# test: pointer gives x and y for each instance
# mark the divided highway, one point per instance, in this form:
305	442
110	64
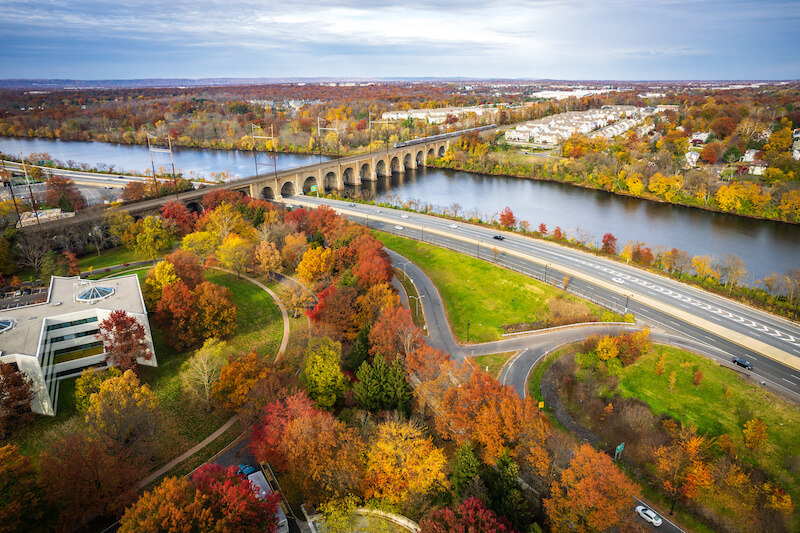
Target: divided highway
771	343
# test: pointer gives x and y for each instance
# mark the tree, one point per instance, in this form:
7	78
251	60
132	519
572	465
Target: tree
118	222
235	253
394	334
505	491
709	154
32	250
217	312
237	378
133	191
86	479
372	303
702	264
338	514
201	371
177	214
470	516
187	267
315	265
402	464
16	396
682	467
607	348
295	245
732	269
507	218
466	467
219	196
89	383
373	268
267	434
20	493
382	386
322	371
755	433
609	244
268	259
592	494
178	315
124	340
125	412
224	220
151	237
300	299
62	192
201	243
333	315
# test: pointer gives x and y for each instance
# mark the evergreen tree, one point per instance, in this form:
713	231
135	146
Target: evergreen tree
360	350
382	386
466	467
505	491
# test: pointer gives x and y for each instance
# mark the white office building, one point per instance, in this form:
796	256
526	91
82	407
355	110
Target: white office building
58	338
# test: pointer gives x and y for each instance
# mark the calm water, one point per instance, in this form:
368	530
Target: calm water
764	246
191	161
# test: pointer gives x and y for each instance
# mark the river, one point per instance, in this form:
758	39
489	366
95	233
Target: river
764	246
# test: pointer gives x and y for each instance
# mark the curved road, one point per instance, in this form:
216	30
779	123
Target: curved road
709	321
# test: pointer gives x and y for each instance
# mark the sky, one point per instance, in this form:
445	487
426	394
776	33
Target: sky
568	39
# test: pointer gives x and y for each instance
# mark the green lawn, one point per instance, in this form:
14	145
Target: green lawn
413	301
111	257
486	295
492	363
714	412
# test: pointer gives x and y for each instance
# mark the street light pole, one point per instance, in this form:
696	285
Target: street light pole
627	296
467	330
545	272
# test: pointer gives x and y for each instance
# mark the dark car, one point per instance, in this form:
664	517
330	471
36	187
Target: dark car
499	237
26	291
743	363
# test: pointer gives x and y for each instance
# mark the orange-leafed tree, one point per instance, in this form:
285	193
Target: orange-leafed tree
373	268
403	465
683	467
188	267
295	245
177	213
755	433
377	298
178	315
217	312
333	316
124	340
20	490
394	334
507	218
133	191
266	435
591	495
237	378
62	192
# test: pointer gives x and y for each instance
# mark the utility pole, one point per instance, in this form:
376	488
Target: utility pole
152	164
7	179
267	138
385	137
30	191
320	129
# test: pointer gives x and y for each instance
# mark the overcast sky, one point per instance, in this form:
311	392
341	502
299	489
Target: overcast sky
568	39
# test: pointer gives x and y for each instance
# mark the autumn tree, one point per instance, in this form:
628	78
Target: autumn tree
126	413
201	243
267	435
403	465
237	378
703	266
382	385
755	433
217	312
322	371
268	259
295	245
86	479
133	191
709	154
151	237
224	220
300	299
177	214
372	303
682	466
373	268
333	315
187	266
591	495
20	492
609	244
89	383
507	218
235	253
470	516
118	222
178	315
124	340
394	333
16	396
315	266
62	192
201	371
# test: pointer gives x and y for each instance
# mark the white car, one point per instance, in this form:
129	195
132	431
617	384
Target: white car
453	226
649	515
618	280
403	216
398	227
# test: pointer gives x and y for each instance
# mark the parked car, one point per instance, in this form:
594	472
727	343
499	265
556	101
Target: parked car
258	479
743	363
649	515
499	238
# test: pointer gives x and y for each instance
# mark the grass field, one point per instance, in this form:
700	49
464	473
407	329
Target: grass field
486	295
113	256
413	302
492	363
722	403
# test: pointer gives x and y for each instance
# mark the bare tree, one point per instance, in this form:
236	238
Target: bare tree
732	269
32	247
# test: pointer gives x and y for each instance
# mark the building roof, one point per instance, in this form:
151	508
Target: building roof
23	337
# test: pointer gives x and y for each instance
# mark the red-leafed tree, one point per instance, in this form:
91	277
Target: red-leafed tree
187	266
323	220
178	314
543	228
609	244
394	334
426	362
62	192
266	435
297	218
373	268
124	340
16	395
219	196
133	191
507	218
333	314
177	213
471	516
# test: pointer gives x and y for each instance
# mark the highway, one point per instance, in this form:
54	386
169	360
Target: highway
771	343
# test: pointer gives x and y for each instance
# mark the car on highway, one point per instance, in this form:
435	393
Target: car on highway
351	205
403	216
398	227
743	363
499	238
453	226
648	515
618	280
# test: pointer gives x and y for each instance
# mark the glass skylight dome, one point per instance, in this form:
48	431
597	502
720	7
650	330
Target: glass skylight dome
94	294
6	325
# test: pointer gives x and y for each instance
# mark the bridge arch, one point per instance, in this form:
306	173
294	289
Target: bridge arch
348	177
395	164
288	189
267	193
330	181
195	206
441	151
407	162
431	154
420	158
364	174
380	168
310	182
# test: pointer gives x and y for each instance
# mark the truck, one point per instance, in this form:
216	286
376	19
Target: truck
257	478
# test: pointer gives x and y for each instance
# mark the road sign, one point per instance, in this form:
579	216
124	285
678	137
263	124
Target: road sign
620	448
313	188
541	405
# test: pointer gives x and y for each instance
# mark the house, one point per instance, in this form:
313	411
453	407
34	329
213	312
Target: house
519	134
796	150
691	158
757	168
701	137
749	156
58	338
